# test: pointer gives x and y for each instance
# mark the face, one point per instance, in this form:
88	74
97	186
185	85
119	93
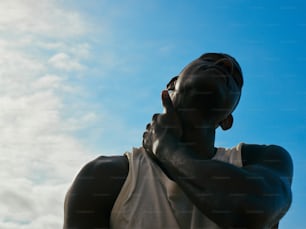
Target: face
208	88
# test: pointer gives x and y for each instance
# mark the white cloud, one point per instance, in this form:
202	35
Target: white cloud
81	121
42	17
27	205
39	155
47	82
62	61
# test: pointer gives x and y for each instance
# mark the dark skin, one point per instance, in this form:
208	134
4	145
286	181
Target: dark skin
181	141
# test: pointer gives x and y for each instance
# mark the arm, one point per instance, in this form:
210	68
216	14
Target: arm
254	196
90	199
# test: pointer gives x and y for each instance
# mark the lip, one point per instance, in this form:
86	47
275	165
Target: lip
215	67
219	68
224	73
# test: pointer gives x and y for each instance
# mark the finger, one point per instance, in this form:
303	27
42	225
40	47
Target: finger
148	126
145	140
144	145
154	118
167	102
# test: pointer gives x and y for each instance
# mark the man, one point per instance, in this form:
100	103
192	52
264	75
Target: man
179	179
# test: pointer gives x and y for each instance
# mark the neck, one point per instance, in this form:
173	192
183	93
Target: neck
201	139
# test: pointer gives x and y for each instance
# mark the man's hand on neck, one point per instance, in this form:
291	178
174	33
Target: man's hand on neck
167	132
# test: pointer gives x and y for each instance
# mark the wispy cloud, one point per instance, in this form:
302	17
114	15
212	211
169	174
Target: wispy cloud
43	18
38	153
62	61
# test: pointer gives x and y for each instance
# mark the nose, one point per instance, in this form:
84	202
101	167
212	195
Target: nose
226	64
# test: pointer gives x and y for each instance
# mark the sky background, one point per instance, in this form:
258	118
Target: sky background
81	79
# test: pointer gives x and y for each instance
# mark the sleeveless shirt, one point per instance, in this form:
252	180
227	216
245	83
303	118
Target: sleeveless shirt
149	199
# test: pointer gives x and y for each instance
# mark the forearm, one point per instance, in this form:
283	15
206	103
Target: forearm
223	192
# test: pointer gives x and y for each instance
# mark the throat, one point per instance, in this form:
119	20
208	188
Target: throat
201	140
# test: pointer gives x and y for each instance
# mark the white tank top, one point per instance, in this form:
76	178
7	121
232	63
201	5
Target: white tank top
150	200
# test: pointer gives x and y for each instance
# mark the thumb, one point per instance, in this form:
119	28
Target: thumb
167	102
170	118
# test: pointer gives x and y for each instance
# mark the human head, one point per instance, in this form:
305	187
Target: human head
207	90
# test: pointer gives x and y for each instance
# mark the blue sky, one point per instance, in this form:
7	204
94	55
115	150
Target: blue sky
83	78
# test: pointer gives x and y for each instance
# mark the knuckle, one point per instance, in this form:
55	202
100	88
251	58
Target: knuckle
155	117
145	134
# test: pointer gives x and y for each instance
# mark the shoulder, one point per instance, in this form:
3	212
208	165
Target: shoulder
273	157
106	167
272	166
94	191
102	173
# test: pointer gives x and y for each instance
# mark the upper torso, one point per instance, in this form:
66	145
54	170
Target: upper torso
108	178
149	199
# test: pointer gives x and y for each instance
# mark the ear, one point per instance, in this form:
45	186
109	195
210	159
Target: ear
227	123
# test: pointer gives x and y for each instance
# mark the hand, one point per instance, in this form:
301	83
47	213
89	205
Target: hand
164	129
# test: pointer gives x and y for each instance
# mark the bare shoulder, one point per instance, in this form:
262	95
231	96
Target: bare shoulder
272	165
270	156
114	167
92	194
